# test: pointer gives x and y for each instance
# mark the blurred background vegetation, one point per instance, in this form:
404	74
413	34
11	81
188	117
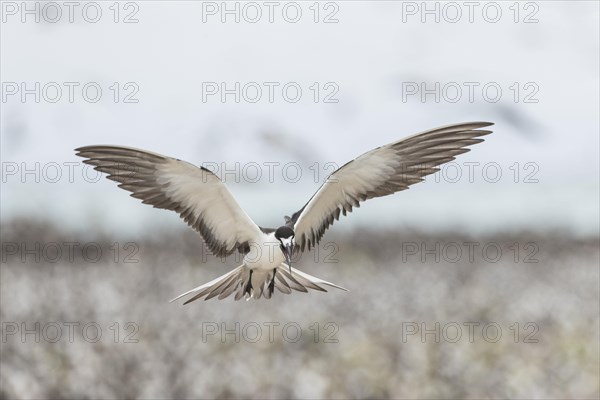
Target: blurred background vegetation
367	351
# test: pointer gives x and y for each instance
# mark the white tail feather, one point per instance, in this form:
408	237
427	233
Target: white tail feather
254	284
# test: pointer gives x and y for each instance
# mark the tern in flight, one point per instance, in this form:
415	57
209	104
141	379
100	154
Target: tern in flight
204	202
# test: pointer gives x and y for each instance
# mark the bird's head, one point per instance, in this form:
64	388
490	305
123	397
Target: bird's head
285	235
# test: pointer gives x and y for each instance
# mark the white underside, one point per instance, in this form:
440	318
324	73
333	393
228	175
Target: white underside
265	255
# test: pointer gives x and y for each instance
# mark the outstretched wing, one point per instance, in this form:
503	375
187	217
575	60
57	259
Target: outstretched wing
197	194
380	172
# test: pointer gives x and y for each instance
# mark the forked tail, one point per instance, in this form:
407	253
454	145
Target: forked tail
253	284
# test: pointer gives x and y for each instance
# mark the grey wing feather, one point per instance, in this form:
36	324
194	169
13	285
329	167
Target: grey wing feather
196	194
381	172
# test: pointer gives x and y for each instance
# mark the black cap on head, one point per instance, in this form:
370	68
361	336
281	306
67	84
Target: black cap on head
284	232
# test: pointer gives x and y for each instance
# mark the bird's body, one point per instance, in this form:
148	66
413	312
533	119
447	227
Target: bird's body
204	202
264	255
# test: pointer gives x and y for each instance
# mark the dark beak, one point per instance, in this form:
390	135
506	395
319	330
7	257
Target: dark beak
287	252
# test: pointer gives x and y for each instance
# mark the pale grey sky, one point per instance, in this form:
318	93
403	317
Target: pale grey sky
371	61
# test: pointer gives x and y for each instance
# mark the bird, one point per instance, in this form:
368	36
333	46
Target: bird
203	201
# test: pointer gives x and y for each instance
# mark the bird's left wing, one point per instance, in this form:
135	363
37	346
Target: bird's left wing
380	172
196	194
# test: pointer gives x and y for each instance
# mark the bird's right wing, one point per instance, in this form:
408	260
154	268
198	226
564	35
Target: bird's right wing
380	172
196	194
